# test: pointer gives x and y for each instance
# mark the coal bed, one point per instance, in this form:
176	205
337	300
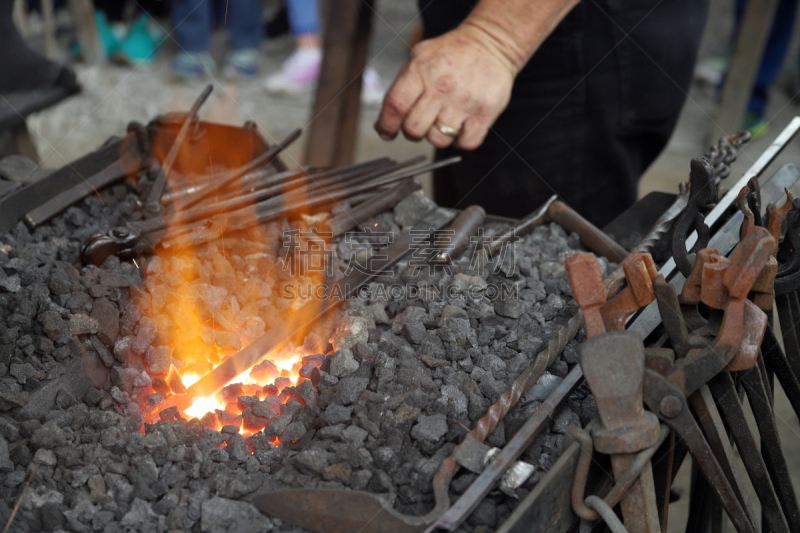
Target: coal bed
373	398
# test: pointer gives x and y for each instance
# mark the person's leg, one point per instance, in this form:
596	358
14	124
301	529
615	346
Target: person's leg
243	20
300	71
244	23
774	54
191	25
304	22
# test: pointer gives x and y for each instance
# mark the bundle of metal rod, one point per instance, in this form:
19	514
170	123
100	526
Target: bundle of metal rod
276	190
296	202
265	182
203	222
221	182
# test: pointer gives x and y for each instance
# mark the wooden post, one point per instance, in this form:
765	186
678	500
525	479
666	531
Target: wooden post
20	17
49	30
82	14
333	130
744	65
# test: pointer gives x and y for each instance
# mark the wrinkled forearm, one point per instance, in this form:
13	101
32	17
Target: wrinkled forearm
514	29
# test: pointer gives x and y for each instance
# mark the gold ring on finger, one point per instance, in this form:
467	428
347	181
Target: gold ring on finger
445	129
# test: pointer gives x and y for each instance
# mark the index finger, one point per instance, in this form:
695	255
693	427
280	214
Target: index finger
399	100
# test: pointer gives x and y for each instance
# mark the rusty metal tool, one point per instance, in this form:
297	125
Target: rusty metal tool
613	365
221	182
710	418
132	161
767	157
152	204
640	271
707	413
760	403
294	203
557	211
262	178
461	230
702	192
724	239
623	483
724	391
277	188
745	361
667	395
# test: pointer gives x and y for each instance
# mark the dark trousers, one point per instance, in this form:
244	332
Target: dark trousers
192	22
588	114
774	53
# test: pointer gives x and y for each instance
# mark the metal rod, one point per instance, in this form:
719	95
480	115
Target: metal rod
284	206
591	237
153	203
226	179
383	201
476	492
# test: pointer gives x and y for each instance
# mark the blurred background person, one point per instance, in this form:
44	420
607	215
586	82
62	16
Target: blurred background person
774	54
137	42
713	70
299	73
192	22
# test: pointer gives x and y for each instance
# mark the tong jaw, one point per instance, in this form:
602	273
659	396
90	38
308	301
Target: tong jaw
702	192
722	284
787	278
613	364
613	360
120	241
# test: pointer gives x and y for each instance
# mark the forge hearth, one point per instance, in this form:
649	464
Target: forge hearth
373	397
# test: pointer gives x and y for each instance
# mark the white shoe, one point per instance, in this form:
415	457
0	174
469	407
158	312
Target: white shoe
298	74
372	88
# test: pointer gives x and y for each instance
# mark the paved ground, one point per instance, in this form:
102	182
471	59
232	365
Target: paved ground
113	96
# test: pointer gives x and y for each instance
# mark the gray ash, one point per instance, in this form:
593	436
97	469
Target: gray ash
87	355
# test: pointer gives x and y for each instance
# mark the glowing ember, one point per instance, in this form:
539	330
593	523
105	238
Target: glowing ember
208	301
202	406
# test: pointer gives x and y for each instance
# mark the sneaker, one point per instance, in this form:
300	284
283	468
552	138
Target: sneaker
711	71
242	64
140	45
298	74
188	66
372	88
757	125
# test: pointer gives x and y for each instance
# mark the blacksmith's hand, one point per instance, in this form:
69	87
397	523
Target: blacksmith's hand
454	87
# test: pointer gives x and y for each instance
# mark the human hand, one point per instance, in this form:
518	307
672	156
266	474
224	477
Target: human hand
461	80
